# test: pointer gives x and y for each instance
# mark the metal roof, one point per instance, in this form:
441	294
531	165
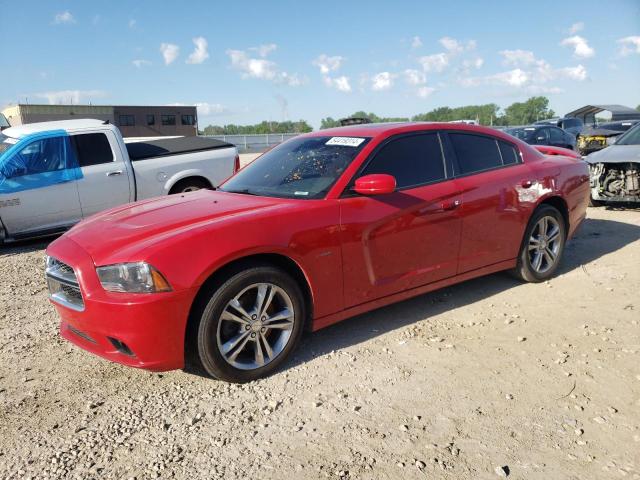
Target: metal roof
618	112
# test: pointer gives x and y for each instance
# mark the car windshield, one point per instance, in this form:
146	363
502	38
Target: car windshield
6	143
299	168
630	137
526	134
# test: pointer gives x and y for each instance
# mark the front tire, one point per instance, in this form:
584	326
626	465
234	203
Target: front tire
250	325
542	245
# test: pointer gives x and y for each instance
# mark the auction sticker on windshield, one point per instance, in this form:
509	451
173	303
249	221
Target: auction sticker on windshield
345	141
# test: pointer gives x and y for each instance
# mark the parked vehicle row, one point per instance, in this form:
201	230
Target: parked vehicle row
54	174
325	226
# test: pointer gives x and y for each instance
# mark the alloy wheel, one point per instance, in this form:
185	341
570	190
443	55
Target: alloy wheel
255	326
544	244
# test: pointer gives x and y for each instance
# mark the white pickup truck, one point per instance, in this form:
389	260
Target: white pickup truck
54	174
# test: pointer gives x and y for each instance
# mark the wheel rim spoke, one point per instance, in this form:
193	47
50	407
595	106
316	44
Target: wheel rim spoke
537	261
544	244
248	336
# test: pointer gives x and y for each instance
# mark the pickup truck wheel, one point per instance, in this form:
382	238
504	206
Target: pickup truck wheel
542	246
189	185
250	325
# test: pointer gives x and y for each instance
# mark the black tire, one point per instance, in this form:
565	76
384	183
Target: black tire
189	185
524	269
205	345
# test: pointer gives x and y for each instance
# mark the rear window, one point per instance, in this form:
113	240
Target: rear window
92	149
475	153
412	160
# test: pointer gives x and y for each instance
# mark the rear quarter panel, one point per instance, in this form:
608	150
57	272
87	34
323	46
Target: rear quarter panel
156	176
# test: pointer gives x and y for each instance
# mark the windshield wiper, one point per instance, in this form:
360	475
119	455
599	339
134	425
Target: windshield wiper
244	191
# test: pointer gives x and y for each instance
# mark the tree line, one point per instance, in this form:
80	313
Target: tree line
518	113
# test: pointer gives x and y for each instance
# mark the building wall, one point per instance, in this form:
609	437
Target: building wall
22	114
121	116
142	117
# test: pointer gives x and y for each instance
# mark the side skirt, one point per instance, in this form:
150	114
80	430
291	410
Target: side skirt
325	321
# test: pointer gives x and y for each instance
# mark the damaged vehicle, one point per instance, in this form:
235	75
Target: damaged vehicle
615	170
601	136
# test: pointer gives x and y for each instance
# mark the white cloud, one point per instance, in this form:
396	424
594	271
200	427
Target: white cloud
382	81
341	84
629	45
132	23
264	50
328	64
139	63
261	68
416	42
200	54
424	92
581	48
473	63
576	27
518	57
434	63
415	77
451	45
575	73
63	18
169	52
63	97
514	78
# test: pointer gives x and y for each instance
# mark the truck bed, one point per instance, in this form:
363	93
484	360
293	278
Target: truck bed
172	146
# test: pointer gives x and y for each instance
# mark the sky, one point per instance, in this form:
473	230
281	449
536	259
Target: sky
243	62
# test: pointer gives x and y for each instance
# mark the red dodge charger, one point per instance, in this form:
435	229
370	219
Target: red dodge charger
323	227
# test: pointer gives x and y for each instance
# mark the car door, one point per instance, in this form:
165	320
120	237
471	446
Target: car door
105	181
492	179
406	238
38	185
557	138
541	136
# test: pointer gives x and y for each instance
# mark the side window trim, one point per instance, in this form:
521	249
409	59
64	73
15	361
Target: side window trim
496	139
446	164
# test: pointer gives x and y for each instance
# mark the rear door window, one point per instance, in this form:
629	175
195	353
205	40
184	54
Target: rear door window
508	152
557	135
92	149
475	153
412	160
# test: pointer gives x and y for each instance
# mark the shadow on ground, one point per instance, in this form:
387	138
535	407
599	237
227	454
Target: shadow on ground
594	239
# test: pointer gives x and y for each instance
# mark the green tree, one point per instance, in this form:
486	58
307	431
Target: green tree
532	110
264	127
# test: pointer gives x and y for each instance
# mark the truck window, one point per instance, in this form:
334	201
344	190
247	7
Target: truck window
40	156
92	149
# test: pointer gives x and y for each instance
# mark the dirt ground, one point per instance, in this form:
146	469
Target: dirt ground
485	379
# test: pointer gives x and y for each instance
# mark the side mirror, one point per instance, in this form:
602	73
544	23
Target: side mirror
375	184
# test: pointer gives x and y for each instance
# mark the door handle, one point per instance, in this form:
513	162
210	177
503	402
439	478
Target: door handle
451	205
114	173
526	183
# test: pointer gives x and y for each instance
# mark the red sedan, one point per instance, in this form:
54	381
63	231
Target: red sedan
323	227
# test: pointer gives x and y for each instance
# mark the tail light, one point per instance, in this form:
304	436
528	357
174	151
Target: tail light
236	163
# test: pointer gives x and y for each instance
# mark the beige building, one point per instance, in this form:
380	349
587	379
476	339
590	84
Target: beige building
133	121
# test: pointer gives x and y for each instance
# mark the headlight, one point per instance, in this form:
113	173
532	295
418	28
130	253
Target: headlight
139	277
611	140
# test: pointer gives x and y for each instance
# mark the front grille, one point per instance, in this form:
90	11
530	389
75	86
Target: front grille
63	284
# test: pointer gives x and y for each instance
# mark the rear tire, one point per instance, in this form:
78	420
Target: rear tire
189	185
542	245
250	325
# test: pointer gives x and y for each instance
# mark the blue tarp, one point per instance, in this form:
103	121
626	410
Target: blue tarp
39	160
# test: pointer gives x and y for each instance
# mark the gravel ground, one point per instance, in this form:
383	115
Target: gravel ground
485	379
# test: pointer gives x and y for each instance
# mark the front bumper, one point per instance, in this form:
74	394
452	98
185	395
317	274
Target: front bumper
139	330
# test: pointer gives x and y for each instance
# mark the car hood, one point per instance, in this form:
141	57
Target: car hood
600	132
141	224
616	154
